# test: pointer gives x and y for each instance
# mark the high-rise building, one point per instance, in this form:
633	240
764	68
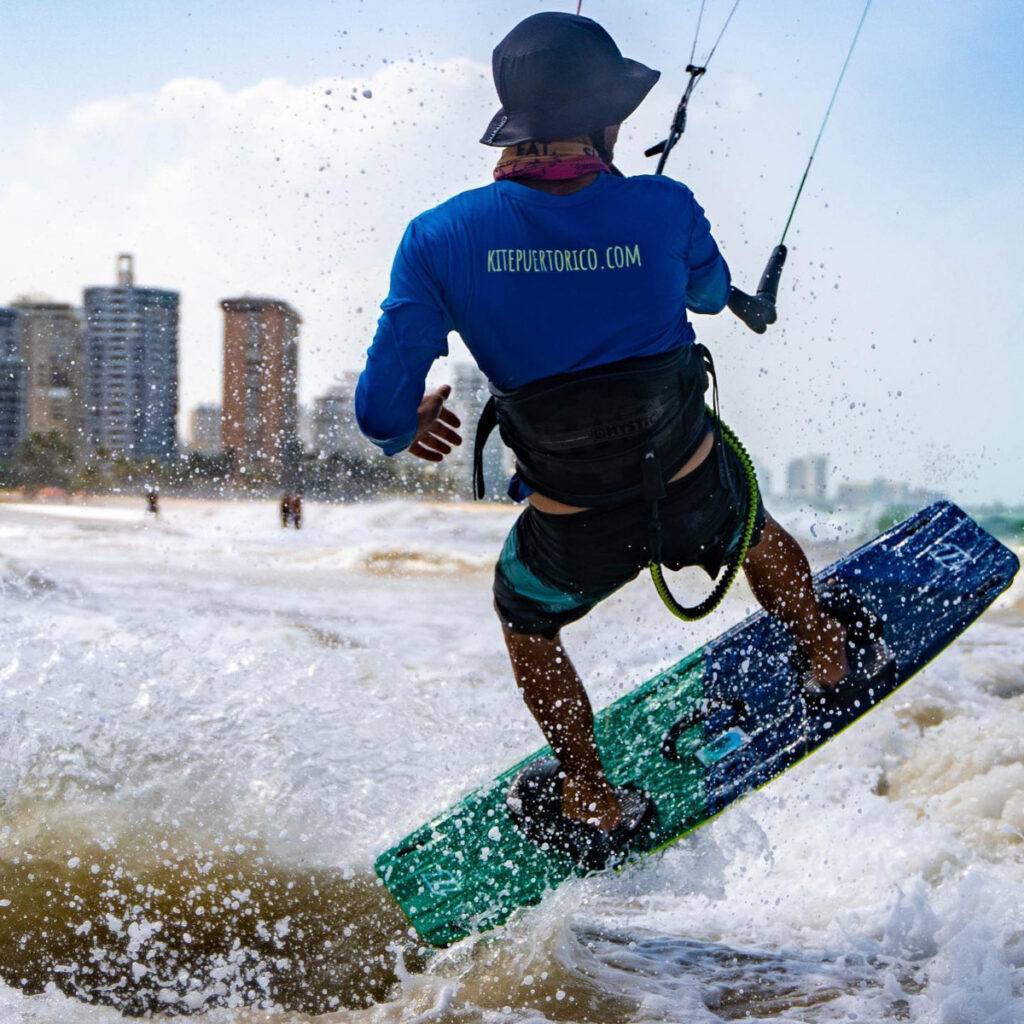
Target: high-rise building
808	477
131	367
334	419
204	428
51	340
13	384
261	352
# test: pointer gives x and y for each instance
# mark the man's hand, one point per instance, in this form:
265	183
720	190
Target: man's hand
756	311
435	434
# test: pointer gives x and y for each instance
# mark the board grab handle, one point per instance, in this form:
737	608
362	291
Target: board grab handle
698	716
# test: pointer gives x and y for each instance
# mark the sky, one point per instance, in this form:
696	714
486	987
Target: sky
258	148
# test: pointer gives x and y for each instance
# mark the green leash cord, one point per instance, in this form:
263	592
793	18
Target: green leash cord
714	599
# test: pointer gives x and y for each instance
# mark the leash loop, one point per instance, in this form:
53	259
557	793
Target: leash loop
714	599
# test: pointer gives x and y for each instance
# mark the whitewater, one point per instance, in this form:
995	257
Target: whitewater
210	727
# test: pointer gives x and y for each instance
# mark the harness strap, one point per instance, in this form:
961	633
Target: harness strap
653	491
484	426
716	415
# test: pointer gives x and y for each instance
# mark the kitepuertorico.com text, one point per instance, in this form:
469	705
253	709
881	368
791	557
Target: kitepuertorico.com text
515	261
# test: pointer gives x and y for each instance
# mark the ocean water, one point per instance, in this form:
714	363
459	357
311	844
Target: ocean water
210	726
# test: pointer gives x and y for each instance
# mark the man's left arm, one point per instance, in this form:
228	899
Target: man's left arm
707	288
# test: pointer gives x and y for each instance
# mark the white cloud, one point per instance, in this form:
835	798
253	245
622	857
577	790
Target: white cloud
295	190
107	113
50	151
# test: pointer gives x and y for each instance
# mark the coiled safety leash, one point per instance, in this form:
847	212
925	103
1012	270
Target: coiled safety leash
714	599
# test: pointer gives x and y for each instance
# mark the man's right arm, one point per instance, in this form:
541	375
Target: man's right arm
411	333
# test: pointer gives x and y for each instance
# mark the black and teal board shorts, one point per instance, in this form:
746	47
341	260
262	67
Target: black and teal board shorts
554	568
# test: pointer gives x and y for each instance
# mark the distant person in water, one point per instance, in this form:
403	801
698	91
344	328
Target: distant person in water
570	285
291	509
153	501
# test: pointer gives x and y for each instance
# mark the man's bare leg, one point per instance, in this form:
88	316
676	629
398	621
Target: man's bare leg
554	693
780	577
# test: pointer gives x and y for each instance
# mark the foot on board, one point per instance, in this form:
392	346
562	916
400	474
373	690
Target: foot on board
534	803
869	658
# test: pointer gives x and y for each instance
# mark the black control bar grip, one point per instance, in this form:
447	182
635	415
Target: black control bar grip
768	286
758	311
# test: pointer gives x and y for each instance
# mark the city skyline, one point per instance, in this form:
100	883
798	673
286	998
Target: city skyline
331	426
291	165
105	374
264	414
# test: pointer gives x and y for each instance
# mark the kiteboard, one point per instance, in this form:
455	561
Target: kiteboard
722	722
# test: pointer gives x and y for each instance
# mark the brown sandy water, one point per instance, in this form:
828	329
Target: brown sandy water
172	924
293	731
163	923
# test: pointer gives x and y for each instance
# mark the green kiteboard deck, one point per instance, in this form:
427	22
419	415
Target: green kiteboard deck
722	722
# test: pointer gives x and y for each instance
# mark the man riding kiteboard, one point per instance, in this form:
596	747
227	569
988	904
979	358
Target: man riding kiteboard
570	286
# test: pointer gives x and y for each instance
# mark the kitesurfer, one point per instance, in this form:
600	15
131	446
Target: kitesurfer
570	286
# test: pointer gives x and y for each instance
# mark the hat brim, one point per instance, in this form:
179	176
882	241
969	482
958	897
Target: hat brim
591	114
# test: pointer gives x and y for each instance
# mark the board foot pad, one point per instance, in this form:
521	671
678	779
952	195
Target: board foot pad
534	803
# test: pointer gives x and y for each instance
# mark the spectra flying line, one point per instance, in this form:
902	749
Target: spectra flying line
824	121
757	311
694	71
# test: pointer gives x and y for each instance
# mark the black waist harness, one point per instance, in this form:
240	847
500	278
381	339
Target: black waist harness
609	434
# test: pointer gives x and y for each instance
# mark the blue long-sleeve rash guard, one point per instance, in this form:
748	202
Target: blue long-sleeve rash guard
537	285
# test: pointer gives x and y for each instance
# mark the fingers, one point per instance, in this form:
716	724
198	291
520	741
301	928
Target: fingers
438	429
438	441
437	434
429	448
422	452
449	417
432	408
434	400
435	444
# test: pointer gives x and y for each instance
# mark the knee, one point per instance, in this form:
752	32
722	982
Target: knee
532	648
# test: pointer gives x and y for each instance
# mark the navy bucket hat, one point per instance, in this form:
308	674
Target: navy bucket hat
561	75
